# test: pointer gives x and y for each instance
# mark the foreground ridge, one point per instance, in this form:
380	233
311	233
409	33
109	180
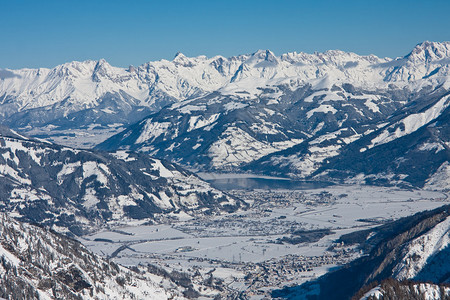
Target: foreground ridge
39	264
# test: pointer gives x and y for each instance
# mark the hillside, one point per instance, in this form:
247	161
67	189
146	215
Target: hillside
411	248
36	263
80	190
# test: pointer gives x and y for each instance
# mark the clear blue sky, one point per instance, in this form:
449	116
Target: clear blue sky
47	33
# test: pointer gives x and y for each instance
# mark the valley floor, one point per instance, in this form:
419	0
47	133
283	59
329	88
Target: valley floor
286	237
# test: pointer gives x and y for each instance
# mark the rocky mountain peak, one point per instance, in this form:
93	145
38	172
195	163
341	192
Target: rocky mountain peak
429	51
181	59
102	69
262	57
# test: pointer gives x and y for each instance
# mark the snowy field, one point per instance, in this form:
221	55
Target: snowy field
84	138
239	244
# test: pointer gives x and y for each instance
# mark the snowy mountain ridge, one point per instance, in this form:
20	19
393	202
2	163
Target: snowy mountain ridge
181	78
89	94
36	263
77	191
288	126
184	77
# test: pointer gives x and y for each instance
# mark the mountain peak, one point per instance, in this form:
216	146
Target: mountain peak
262	58
181	59
266	55
100	70
429	51
178	56
101	61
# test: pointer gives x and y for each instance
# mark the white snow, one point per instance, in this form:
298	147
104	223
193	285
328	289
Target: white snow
163	171
410	123
90	199
372	106
92	168
432	146
324	108
67	169
123	155
441	179
200	121
187	109
420	249
233	106
152	130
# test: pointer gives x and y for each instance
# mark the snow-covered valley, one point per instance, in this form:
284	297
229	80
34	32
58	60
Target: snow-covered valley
286	237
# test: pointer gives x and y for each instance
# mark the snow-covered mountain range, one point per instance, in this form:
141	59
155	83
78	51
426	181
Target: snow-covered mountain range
411	147
94	94
298	125
292	115
82	96
79	190
324	116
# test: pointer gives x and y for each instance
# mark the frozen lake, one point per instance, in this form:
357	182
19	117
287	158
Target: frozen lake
264	184
252	182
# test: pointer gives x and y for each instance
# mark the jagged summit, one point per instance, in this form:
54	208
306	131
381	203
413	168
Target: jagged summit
102	69
180	58
178	54
266	55
79	95
429	51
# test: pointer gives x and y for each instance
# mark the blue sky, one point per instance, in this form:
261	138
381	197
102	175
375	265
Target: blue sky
48	33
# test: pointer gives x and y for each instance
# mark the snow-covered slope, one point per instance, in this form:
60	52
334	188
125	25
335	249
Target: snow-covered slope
393	289
82	96
36	263
426	257
77	190
423	259
426	60
413	148
226	131
290	115
414	248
